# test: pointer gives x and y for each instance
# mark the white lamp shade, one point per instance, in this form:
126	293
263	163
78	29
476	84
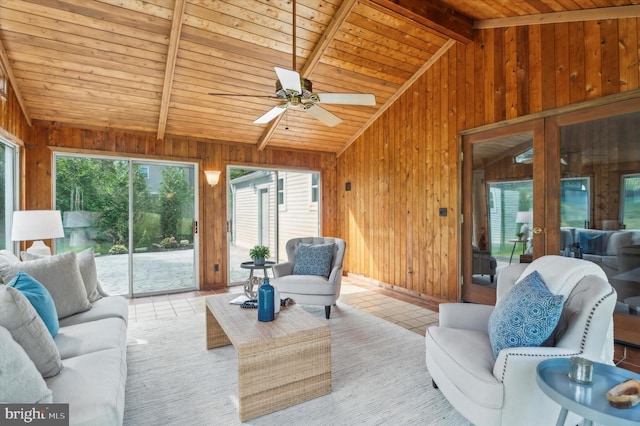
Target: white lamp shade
524	217
31	225
213	176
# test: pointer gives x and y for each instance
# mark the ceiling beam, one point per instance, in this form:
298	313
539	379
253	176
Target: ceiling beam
323	44
450	43
8	71
172	54
431	14
559	17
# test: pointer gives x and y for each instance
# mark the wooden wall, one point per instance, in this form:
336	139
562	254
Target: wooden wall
406	166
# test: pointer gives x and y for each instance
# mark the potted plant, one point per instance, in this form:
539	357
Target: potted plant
259	254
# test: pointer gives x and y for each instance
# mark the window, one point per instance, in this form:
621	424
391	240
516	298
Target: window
8	161
281	191
144	171
315	187
574	202
506	199
631	201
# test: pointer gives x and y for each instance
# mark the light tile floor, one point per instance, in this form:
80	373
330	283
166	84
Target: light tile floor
408	312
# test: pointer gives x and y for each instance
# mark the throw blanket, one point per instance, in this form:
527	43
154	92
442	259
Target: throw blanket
561	274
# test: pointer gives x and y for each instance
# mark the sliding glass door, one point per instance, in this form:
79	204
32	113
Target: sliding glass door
138	216
269	207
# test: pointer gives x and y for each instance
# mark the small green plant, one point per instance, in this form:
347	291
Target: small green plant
259	253
169	242
118	249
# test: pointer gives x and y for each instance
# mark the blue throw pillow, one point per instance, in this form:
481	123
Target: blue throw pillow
526	315
591	244
40	298
313	259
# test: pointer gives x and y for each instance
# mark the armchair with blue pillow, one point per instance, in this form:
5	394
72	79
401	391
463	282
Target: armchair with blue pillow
313	273
483	358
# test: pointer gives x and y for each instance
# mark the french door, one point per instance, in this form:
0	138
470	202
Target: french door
139	217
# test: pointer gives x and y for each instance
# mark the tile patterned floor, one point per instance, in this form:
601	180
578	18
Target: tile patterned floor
411	313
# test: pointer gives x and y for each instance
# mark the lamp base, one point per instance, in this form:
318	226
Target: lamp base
38	247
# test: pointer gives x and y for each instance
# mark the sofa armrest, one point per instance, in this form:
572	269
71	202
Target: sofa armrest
282	269
467	316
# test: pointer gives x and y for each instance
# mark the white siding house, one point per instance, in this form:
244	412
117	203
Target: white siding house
269	202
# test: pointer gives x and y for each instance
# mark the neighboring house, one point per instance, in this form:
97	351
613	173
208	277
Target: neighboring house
255	218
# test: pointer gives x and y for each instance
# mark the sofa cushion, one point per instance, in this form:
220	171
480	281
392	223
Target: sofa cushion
27	328
107	307
20	380
525	316
467	357
313	259
93	385
60	274
93	336
617	240
310	284
40	299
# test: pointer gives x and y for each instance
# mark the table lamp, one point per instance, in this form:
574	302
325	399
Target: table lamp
37	225
524	218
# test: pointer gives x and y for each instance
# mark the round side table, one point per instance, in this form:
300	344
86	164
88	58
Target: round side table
589	401
252	283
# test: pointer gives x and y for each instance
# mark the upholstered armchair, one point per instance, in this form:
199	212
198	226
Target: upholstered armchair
483	264
313	273
490	389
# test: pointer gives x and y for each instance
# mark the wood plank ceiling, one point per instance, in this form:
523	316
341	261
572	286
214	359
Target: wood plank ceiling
150	65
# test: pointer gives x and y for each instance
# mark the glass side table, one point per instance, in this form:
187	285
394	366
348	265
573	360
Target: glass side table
589	401
253	282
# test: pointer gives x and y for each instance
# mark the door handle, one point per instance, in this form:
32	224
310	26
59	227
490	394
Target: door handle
537	230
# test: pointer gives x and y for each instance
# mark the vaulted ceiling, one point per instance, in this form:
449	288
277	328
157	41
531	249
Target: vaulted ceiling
151	65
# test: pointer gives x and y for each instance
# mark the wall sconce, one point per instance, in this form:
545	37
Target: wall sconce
213	176
37	225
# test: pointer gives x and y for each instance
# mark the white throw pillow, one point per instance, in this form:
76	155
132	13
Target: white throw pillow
87	263
27	328
60	274
20	381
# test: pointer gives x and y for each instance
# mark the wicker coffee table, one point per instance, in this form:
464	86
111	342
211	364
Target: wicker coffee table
280	363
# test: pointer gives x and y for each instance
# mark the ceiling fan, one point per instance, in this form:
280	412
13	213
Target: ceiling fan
297	92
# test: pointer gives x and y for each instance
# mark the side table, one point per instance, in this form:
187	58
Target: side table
252	281
589	401
515	243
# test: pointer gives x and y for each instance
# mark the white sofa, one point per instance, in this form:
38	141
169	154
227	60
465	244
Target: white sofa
494	390
599	246
90	369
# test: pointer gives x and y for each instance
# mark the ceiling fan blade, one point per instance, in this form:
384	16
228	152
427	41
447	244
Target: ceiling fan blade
322	114
244	95
271	114
290	80
347	98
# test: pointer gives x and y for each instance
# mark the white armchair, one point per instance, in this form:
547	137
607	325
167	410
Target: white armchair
311	289
503	391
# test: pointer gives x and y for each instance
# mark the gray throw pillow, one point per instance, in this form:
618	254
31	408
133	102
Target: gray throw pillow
27	328
60	274
88	270
20	380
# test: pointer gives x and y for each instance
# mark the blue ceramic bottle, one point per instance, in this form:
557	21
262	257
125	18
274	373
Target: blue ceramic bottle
265	301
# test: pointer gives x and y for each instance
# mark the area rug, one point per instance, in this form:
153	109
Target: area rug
379	377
